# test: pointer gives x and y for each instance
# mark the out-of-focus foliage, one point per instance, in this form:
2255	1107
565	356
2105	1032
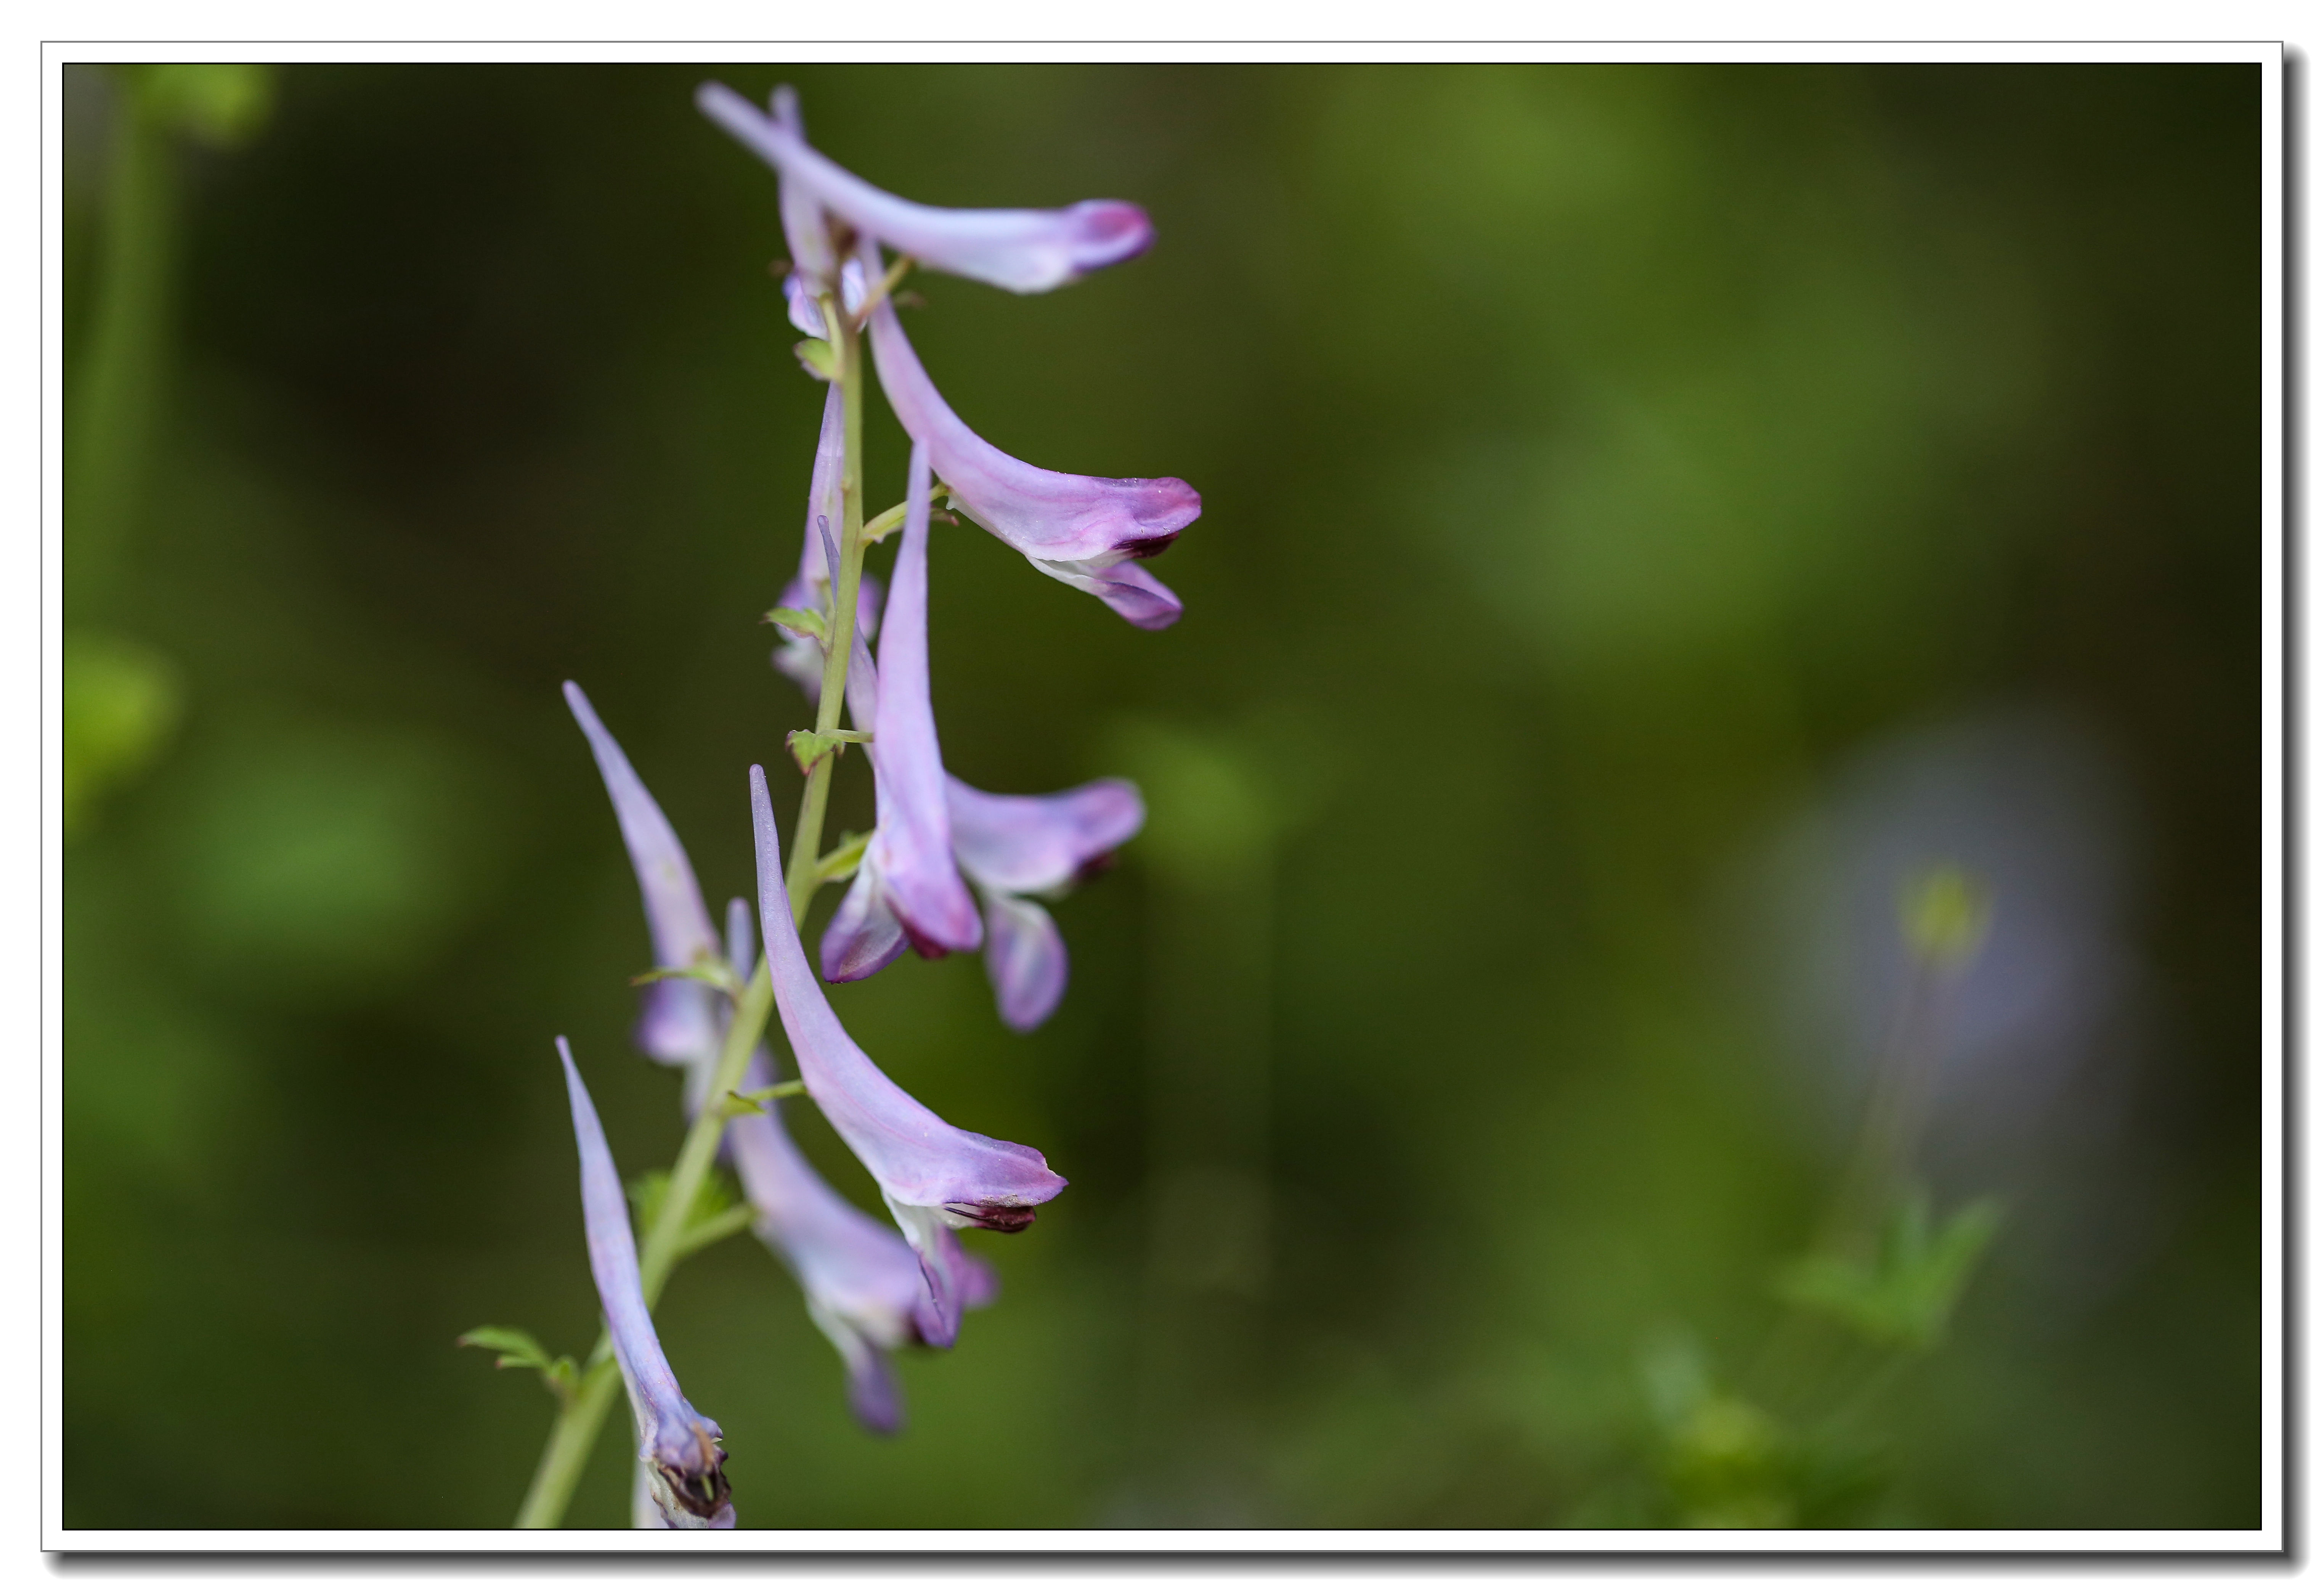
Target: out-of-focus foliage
1636	499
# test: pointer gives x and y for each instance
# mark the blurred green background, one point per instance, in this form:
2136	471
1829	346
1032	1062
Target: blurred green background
1608	472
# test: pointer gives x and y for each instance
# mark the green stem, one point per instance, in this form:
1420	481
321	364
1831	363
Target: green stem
111	418
807	840
575	1430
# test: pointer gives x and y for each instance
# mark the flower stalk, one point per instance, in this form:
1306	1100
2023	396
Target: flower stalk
575	1433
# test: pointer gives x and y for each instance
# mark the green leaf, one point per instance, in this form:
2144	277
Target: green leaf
803	620
520	1349
810	747
817	357
1904	1297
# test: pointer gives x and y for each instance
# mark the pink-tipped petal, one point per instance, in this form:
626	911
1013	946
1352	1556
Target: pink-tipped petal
682	1450
1029	844
1023	251
917	1159
678	1023
1025	957
1044	514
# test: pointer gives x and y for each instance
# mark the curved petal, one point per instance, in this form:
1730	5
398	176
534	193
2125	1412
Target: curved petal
1043	514
1025	957
1029	844
678	1022
919	1160
863	936
1023	251
910	858
863	1284
680	1447
1127	589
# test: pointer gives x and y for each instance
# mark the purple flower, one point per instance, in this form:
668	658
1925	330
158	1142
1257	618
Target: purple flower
678	1020
1010	847
1024	251
863	1282
680	1449
1081	530
907	886
800	656
1013	847
935	1177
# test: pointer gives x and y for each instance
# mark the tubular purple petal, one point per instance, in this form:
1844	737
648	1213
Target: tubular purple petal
1026	845
1068	525
676	1023
1025	958
681	1447
814	261
919	1160
863	1284
907	868
1023	251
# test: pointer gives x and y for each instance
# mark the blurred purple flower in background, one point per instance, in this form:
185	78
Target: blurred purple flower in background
2032	1045
682	1451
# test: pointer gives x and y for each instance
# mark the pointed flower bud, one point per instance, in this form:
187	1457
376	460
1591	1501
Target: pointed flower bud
800	656
1013	847
1075	529
678	1023
1023	251
907	886
682	1450
933	1176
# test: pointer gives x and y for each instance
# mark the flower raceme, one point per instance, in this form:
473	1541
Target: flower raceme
933	828
1081	530
681	1450
1023	251
862	1283
935	1177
